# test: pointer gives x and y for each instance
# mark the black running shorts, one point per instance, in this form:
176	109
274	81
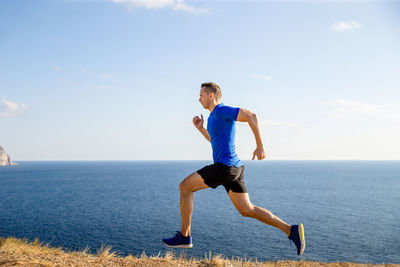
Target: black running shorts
232	178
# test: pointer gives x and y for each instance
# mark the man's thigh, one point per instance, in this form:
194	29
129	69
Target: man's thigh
193	182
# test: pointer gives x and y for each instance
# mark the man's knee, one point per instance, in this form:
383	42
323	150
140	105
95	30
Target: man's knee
247	211
184	187
192	183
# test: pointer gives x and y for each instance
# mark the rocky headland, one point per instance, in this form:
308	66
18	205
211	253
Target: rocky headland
5	159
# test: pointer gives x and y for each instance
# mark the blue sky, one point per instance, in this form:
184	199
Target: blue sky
120	80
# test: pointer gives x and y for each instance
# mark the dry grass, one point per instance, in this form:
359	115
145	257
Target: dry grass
21	252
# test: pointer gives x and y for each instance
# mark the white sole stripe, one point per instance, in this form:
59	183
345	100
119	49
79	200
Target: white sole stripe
179	246
302	241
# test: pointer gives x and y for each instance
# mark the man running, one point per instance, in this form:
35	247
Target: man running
227	170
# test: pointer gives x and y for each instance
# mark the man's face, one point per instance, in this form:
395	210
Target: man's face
204	98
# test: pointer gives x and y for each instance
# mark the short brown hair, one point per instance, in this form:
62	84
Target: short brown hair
211	87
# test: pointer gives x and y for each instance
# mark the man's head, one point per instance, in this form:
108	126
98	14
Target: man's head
210	93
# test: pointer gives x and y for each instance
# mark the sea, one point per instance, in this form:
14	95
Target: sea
349	209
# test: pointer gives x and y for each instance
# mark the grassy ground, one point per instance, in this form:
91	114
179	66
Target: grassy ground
21	252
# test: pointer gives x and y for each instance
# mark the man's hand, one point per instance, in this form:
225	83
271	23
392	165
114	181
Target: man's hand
198	123
260	153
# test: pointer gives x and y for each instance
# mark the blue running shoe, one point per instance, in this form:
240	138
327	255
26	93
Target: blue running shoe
297	237
178	241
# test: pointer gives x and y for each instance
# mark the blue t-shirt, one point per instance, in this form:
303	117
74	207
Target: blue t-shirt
221	127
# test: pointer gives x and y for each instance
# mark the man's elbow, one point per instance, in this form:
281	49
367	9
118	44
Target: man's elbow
252	117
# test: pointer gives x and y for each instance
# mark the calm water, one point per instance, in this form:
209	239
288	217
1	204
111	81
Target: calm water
350	210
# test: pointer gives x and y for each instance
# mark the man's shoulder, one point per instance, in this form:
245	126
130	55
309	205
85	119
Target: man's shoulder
227	112
222	108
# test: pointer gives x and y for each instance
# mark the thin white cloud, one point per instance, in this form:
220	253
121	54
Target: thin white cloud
177	5
11	109
343	108
96	74
342	26
181	6
261	77
103	86
151	4
57	68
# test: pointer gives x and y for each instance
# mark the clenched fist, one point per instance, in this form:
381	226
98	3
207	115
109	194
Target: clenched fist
198	123
259	153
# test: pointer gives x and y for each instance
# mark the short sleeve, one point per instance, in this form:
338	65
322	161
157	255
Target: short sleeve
227	112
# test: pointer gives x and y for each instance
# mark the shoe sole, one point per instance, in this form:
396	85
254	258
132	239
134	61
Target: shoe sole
302	239
179	246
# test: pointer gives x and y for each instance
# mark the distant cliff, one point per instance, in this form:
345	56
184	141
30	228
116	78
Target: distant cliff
4	158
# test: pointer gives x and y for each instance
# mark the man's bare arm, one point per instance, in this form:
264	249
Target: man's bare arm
205	133
198	123
251	118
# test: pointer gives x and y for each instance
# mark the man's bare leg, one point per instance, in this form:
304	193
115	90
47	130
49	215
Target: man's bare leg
190	184
247	209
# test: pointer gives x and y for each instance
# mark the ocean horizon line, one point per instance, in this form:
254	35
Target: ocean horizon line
194	160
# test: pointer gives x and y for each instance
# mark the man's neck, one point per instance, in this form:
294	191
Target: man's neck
212	106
